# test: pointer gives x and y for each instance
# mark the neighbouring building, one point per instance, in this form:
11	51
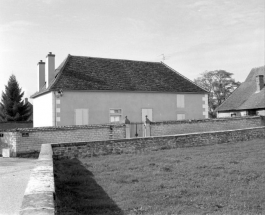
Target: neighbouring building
89	90
248	99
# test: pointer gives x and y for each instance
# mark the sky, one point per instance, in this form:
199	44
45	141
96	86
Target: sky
191	36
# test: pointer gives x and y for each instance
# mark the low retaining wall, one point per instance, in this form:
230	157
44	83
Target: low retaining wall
204	125
39	197
25	140
97	148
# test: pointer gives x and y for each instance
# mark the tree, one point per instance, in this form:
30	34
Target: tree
11	106
220	85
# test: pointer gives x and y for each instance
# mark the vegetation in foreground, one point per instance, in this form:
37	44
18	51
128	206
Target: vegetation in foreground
218	179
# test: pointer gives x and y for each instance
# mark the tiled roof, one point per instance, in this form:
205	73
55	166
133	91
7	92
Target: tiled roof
89	73
246	96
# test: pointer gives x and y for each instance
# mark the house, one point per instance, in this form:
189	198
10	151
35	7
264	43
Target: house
248	98
89	90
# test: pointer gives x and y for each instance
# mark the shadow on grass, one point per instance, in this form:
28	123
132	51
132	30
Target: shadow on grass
77	192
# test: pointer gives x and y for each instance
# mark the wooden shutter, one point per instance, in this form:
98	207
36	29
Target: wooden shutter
180	101
78	117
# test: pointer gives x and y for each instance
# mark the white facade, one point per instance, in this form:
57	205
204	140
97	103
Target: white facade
43	110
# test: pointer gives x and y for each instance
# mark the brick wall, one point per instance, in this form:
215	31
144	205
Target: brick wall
135	145
29	140
191	126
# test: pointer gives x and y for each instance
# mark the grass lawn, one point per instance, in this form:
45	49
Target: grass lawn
217	179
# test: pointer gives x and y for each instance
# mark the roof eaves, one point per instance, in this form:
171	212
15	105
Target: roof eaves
37	94
184	77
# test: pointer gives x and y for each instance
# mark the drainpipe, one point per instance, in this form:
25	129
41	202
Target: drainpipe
55	124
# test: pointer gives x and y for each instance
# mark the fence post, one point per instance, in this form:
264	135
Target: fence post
147	127
128	128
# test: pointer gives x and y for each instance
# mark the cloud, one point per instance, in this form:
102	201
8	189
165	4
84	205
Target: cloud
16	26
50	1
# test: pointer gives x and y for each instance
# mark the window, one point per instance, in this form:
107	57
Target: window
81	116
180	101
181	116
115	115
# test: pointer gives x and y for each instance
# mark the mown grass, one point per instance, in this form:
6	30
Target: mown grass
218	179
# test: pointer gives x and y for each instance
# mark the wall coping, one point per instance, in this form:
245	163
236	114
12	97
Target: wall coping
76	127
54	145
204	120
40	192
63	128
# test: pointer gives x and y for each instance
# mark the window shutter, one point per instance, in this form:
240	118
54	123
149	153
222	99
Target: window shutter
78	117
180	116
180	101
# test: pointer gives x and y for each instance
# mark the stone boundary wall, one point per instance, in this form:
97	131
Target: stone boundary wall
204	125
25	140
39	197
9	140
138	145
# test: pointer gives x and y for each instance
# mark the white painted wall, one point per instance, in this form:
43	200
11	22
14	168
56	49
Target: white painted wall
223	115
261	112
43	110
243	113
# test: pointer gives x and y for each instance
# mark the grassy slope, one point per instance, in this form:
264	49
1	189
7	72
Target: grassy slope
218	179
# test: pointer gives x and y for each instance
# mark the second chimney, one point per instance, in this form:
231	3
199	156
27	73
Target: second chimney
49	69
259	82
41	75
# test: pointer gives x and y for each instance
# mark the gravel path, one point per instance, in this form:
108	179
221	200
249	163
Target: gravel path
14	176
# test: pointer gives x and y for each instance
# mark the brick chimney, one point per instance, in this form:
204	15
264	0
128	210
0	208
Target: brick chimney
41	74
49	69
259	82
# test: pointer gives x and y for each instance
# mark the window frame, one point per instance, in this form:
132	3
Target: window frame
115	114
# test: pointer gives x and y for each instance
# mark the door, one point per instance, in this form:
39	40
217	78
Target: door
148	113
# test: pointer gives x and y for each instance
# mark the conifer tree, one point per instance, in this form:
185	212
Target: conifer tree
12	108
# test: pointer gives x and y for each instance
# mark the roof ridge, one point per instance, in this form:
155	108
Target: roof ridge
115	59
183	76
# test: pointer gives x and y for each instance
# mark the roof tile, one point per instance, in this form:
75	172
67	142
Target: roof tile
89	73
